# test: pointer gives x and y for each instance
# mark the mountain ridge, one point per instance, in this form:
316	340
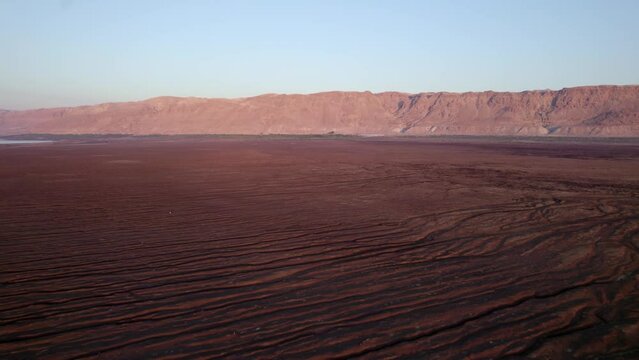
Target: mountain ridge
604	110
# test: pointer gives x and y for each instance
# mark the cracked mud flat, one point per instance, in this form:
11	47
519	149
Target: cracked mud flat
308	249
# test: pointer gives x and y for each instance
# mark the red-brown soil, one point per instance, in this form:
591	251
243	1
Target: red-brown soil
609	111
252	248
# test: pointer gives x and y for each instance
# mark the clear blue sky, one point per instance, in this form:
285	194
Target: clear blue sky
65	52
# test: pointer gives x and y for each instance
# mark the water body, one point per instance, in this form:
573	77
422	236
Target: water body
17	142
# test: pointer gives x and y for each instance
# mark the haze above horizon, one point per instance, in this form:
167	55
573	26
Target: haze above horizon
64	53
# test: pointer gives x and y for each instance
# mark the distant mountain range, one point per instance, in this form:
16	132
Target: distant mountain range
580	111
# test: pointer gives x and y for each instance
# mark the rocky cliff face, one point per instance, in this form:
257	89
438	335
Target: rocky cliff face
582	111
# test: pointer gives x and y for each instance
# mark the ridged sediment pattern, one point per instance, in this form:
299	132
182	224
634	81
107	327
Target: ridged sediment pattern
318	249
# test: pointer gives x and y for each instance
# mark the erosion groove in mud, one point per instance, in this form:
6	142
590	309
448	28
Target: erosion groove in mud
240	248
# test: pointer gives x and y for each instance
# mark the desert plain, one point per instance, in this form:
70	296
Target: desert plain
223	247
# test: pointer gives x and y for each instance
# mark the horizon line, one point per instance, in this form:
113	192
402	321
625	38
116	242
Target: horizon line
317	93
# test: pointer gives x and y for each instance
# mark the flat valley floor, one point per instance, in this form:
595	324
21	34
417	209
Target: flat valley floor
253	248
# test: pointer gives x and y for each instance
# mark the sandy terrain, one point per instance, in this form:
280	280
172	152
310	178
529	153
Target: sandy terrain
603	111
287	248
